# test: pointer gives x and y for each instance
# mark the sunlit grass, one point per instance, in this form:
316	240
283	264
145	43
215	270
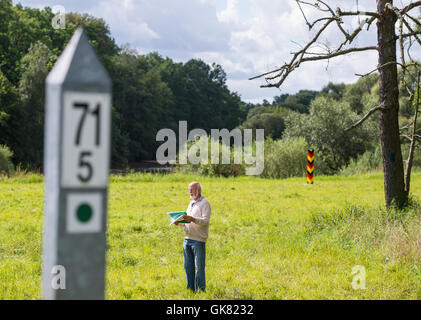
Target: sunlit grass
268	239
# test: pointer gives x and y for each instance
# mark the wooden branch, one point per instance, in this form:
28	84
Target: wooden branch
406	35
337	53
417	138
402	53
403	128
357	31
400	37
305	18
301	52
315	5
341	13
413	19
413	139
414	63
411	31
286	69
410	7
369	113
328	9
305	54
408	49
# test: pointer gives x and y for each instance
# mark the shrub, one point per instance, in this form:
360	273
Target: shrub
285	158
209	169
369	161
372	160
6	165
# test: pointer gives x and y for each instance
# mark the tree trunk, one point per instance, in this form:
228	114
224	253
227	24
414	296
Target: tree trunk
394	187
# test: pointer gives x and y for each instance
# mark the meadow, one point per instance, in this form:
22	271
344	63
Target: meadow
268	239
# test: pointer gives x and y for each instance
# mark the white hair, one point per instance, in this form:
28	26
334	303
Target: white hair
198	186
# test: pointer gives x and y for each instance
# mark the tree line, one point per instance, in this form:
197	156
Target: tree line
149	92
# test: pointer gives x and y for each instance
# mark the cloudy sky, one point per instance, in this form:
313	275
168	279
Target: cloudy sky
246	37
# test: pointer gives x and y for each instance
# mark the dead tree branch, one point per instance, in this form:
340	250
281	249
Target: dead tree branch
410	6
367	115
412	139
305	54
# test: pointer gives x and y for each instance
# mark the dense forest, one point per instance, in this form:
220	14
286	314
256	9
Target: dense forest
151	92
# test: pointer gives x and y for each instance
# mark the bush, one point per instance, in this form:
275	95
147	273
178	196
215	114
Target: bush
209	169
6	165
285	158
370	160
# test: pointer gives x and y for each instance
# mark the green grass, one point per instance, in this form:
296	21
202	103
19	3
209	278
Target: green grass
268	239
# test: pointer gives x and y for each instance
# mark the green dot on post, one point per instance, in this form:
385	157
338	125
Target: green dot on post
84	212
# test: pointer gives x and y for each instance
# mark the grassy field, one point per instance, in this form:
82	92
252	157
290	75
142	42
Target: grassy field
268	239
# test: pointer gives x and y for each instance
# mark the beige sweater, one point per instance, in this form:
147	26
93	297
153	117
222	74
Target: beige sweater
201	211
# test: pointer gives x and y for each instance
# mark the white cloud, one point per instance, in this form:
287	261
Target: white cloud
246	37
134	27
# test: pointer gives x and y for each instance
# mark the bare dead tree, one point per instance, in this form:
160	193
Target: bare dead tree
393	25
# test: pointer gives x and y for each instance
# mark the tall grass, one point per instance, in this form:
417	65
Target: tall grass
268	238
394	233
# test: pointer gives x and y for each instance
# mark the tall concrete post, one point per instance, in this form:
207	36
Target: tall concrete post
76	167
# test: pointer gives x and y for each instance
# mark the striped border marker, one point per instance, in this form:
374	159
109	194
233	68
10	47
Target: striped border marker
310	166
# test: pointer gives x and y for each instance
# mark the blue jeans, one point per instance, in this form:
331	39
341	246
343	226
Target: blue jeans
194	264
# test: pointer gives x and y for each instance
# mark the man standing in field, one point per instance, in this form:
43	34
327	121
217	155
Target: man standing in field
198	213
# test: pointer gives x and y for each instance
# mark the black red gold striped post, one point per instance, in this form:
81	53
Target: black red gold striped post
310	166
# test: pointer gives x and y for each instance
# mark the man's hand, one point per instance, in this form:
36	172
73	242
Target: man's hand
189	218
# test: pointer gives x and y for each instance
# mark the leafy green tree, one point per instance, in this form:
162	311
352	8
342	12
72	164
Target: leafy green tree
299	102
97	30
272	123
277	100
201	95
141	100
324	131
256	111
28	120
354	93
334	91
270	118
149	92
8	97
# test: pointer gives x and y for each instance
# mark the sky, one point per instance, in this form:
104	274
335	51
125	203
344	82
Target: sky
246	37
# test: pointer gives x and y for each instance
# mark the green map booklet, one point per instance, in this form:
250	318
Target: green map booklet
177	217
